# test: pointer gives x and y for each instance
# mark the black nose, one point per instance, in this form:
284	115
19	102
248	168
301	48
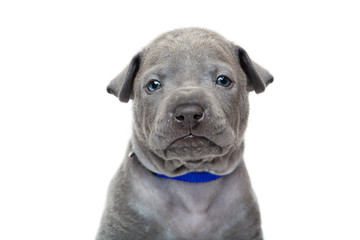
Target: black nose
189	115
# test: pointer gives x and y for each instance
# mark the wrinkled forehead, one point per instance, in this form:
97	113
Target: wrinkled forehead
188	53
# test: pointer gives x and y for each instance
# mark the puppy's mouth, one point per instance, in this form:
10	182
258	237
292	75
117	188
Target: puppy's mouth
191	141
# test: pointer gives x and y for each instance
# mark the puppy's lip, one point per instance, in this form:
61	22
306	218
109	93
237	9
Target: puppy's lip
191	140
188	136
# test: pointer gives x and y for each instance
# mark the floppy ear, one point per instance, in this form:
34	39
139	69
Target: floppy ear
121	86
258	77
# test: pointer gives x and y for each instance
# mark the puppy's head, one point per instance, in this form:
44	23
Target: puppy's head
190	90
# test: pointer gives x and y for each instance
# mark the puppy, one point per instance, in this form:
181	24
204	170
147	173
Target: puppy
184	176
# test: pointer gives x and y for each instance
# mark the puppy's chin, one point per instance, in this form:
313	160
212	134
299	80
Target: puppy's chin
191	149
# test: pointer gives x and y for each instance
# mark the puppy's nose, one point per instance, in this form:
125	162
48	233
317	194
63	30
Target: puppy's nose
189	115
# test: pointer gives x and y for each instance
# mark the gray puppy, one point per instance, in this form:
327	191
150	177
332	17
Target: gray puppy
185	177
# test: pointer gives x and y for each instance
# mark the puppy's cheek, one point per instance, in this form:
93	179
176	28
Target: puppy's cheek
228	138
141	123
155	141
137	122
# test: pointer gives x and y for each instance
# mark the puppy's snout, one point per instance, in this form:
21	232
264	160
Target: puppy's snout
189	115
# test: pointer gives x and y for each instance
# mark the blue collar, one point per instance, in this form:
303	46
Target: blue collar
193	177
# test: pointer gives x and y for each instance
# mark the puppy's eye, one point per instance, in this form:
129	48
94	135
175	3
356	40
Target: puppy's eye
153	85
223	81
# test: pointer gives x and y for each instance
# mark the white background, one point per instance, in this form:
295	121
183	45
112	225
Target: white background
62	137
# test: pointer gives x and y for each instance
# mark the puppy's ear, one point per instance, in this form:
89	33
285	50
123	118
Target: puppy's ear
121	86
258	77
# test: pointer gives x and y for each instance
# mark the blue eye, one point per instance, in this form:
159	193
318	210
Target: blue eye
153	85
223	81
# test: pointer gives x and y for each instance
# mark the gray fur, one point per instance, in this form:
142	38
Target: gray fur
142	206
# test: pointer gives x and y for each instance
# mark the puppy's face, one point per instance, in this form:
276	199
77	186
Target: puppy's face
190	90
190	99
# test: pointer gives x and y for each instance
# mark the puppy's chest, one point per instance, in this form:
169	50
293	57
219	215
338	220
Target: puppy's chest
192	225
188	214
177	221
